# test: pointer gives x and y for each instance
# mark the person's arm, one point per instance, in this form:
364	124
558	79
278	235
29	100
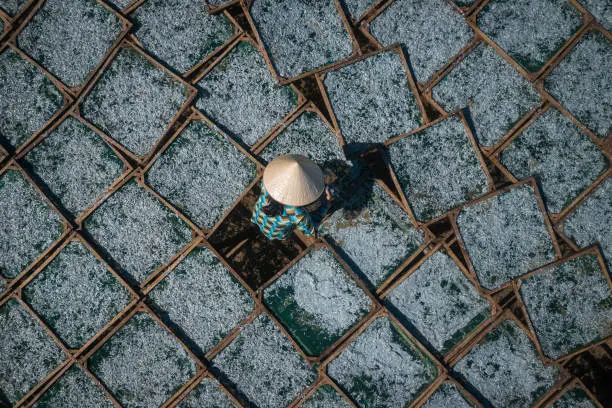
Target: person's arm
306	225
320	213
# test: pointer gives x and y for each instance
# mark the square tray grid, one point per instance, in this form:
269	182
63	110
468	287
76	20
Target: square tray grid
56	220
424	365
165	121
186	135
463	294
590	84
572	23
15	9
182	232
254	93
313	324
574	392
216	6
73	385
341	26
35	74
477	167
508	388
6	27
448	392
97	277
325	394
78	356
205	391
430	32
549	251
357	11
26	38
73	354
414	114
349	229
526	101
136	305
69	169
40	352
600	12
592	152
575	227
304	131
582	280
166	31
188	368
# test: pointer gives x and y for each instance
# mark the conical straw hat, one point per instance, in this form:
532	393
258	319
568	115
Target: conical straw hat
293	180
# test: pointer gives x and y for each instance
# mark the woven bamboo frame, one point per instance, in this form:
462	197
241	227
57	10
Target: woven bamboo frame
562	217
374	303
23	11
531	76
191	94
539	83
320	77
12	283
208	58
74	114
495	154
301	100
204	375
573	383
3	155
444	246
516	287
77	90
507	314
269	61
530	181
194	116
68	99
441	380
8	26
356	21
321	381
466	10
364	28
405	203
442	370
224	7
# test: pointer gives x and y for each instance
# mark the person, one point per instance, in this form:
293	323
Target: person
291	198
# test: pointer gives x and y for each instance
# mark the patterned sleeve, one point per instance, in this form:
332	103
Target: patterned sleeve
265	196
305	224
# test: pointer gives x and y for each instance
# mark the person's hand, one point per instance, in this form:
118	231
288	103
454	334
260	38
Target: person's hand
329	194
